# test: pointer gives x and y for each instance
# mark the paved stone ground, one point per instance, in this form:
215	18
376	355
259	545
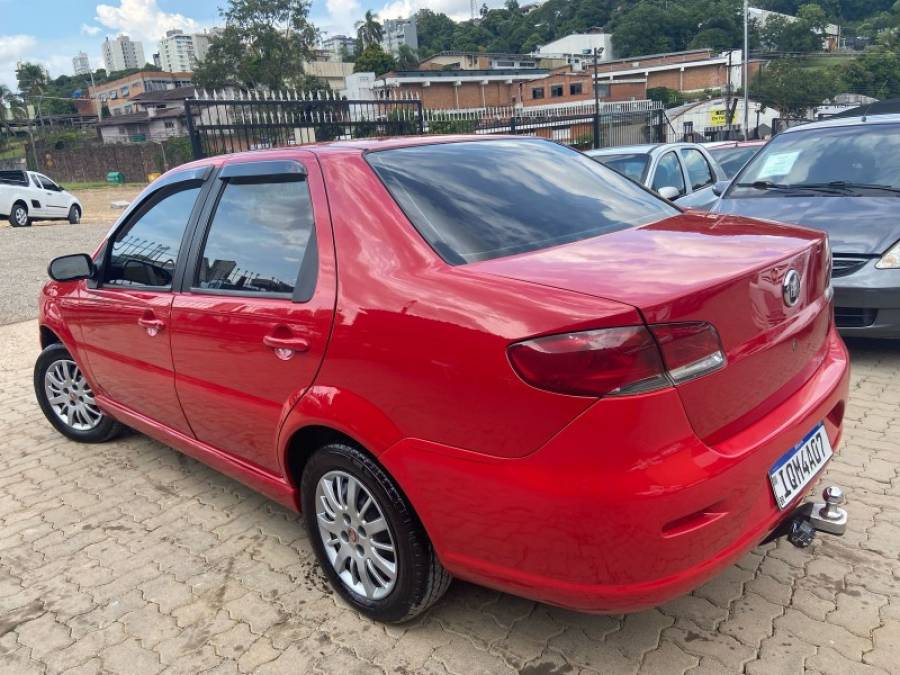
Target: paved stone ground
130	558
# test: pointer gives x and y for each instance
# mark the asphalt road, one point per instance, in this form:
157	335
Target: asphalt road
24	254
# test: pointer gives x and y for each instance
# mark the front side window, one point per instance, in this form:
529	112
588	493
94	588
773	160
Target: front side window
478	200
699	171
258	238
145	250
668	174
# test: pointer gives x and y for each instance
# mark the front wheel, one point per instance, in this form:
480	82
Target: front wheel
67	400
74	214
18	216
367	538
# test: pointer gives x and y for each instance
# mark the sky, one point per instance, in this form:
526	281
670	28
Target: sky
51	32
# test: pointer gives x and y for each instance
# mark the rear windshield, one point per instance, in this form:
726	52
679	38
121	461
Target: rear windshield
633	165
475	201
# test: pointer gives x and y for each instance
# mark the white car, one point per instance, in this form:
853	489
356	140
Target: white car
684	173
27	196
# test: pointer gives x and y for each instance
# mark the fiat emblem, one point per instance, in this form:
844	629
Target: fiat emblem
790	288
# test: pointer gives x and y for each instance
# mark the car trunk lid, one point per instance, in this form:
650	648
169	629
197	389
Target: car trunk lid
724	270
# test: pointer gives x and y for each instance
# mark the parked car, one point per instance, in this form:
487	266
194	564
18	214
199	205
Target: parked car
681	172
27	196
490	358
732	155
841	176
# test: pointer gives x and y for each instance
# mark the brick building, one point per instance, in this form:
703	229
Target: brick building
562	87
455	89
117	95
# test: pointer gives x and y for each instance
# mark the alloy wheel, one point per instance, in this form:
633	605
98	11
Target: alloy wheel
356	536
21	216
70	396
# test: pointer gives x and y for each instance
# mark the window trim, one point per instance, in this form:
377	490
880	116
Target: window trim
167	186
292	171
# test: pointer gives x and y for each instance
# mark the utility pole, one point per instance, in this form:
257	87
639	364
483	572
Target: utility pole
745	77
596	102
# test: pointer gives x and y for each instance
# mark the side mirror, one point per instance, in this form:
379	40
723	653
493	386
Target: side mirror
719	187
669	192
71	267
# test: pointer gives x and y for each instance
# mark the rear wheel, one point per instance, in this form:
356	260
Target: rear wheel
18	216
74	214
67	400
367	538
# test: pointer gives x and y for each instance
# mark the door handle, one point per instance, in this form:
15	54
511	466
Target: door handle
152	326
285	348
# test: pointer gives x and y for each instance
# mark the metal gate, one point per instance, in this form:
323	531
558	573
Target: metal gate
220	126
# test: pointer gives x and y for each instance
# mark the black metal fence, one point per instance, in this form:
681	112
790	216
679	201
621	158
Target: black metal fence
219	126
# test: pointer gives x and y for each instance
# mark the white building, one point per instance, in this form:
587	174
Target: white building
830	39
397	32
578	49
359	87
81	64
122	54
700	116
176	52
337	45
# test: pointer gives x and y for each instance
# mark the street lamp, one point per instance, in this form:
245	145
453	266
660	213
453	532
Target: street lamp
745	76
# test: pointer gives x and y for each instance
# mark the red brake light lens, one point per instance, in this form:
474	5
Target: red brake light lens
689	350
609	361
618	361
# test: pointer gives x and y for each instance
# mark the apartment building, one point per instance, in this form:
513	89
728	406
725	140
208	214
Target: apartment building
336	46
81	64
398	32
122	54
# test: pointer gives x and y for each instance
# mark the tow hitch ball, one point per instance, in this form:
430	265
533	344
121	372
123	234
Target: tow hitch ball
827	516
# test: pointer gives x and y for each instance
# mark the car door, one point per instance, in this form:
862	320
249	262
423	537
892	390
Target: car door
55	200
250	328
669	173
124	318
701	177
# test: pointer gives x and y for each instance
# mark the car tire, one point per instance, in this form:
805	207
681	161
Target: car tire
419	579
74	214
56	375
18	216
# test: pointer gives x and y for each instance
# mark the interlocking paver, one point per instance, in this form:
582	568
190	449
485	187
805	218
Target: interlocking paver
128	557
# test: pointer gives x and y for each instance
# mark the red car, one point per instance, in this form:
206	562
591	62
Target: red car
487	358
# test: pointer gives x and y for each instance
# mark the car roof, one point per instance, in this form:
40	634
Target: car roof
718	145
623	150
861	120
351	147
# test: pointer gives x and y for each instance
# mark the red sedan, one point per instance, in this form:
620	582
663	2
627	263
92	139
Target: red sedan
487	358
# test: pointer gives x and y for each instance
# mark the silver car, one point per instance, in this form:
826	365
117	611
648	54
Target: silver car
684	173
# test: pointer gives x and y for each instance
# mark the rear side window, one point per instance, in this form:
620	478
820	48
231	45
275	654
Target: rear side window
258	238
145	250
480	200
697	168
669	174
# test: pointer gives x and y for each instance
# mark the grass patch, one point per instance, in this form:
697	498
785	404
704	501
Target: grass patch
100	184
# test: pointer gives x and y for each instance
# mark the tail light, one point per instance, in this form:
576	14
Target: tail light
618	361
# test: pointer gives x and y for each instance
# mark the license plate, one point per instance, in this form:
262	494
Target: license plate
799	465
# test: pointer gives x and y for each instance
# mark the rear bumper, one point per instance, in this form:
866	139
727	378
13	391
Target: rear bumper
867	303
623	509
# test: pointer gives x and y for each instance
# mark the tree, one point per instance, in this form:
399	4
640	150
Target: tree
668	97
264	44
877	72
803	34
368	31
374	60
407	58
792	89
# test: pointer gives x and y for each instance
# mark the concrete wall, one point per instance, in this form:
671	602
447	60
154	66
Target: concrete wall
81	163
